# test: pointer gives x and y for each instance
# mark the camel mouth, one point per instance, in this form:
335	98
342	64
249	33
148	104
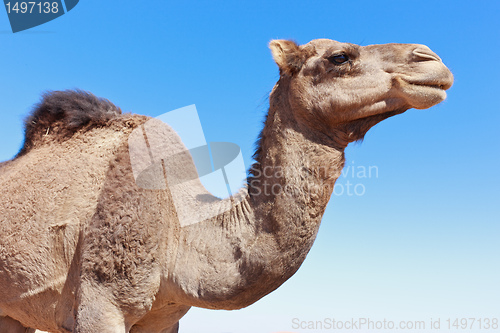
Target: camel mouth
435	86
430	92
422	94
432	84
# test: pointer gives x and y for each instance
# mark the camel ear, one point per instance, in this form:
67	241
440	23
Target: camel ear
287	55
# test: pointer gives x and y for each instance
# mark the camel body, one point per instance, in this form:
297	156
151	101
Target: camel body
86	248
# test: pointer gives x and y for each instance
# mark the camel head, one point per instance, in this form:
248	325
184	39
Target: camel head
345	89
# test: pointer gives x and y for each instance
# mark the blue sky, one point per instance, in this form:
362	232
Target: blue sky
421	242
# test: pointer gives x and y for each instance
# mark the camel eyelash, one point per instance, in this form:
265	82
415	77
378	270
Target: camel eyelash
339	58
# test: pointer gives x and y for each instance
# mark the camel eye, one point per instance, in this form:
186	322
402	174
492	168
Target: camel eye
338	59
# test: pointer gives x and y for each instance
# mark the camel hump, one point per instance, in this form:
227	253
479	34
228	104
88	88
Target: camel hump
62	113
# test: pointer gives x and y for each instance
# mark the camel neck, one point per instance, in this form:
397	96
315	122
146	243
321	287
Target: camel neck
293	177
241	255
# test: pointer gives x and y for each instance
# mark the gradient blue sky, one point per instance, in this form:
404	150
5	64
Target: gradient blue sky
423	240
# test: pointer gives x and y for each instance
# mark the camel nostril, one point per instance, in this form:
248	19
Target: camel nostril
424	53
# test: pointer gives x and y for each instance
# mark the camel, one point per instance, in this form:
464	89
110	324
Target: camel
86	247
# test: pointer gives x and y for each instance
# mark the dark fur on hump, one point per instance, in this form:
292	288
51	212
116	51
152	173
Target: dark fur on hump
62	113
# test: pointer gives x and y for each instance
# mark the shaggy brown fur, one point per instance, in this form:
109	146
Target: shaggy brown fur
64	112
86	248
